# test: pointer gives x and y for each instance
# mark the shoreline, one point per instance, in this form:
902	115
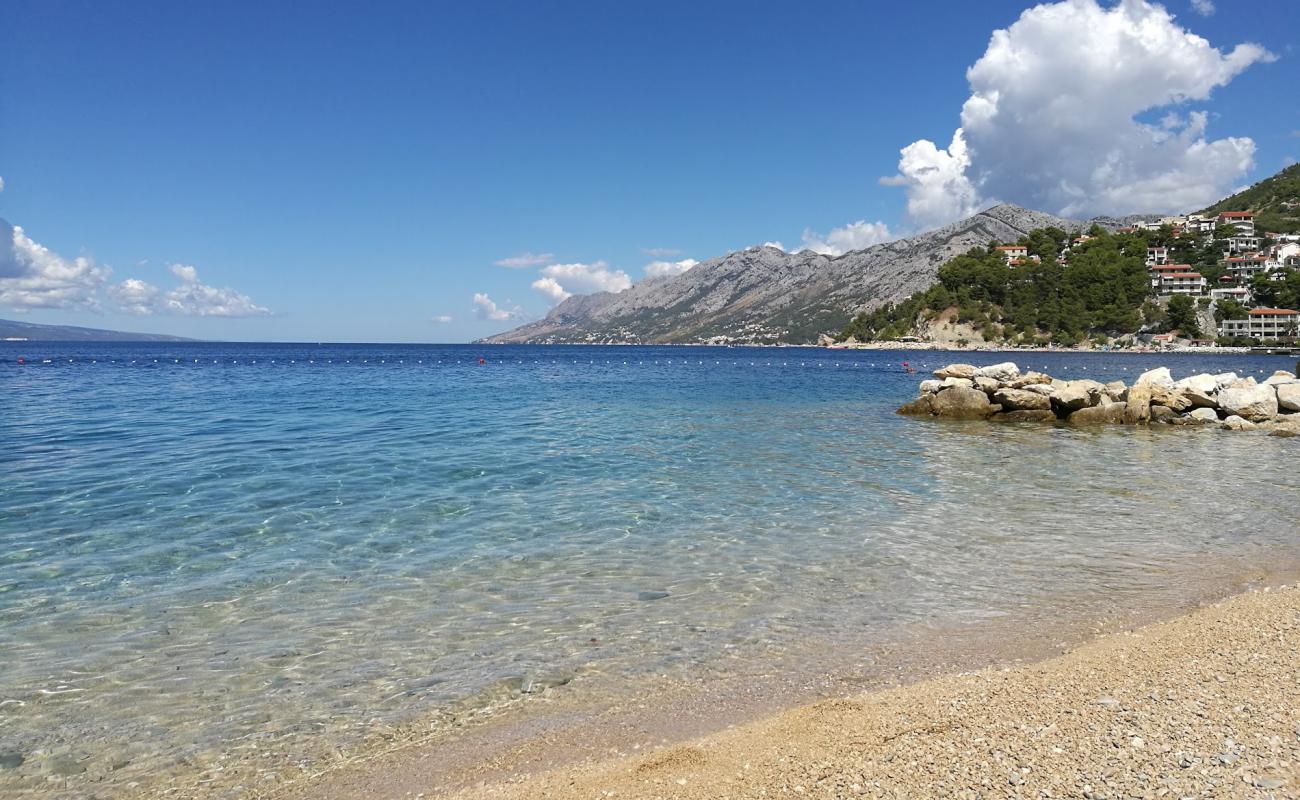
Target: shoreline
563	738
1204	703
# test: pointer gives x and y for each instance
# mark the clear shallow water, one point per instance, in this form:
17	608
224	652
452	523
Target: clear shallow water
216	549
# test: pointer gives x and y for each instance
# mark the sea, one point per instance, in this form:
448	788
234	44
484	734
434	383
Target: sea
226	564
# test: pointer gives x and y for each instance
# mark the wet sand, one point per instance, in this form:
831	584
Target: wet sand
1204	705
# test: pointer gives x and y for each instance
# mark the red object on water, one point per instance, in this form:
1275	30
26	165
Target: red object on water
22	360
481	362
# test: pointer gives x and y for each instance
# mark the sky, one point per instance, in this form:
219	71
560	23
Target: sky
437	172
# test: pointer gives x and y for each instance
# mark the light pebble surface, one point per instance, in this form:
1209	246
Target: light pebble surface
1204	705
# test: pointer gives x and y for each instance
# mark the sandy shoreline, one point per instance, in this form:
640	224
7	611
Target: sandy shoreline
1202	705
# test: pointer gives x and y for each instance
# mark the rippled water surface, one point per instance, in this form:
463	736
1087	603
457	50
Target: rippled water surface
206	548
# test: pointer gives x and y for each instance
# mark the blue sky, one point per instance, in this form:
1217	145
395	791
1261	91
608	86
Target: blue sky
354	172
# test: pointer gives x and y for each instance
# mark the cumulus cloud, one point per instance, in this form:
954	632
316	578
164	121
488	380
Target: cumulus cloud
659	269
1052	119
442	319
1203	7
485	308
191	297
561	281
33	276
661	252
134	296
854	236
776	244
525	260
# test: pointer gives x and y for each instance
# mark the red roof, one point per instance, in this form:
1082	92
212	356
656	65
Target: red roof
1012	247
1238	214
1168	267
1272	312
1183	275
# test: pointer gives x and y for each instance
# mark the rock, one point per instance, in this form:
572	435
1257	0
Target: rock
1280	377
1155	377
653	594
987	385
1057	383
1235	423
1076	395
1116	390
957	371
1203	415
920	407
1026	415
931	386
1285	426
960	402
1170	397
1022	400
1200	390
1254	403
1005	371
1288	396
1224	379
1161	413
950	382
64	765
1028	379
1112	414
1041	388
11	759
1239	383
1138	406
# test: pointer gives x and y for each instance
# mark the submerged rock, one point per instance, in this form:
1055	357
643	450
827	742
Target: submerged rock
1025	415
920	407
11	759
652	594
1111	414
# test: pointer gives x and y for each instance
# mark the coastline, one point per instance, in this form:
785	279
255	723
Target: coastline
1201	704
537	751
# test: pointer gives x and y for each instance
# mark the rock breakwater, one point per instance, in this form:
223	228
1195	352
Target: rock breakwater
1002	392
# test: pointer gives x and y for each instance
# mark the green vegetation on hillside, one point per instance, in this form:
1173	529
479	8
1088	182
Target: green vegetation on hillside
1104	291
1267	199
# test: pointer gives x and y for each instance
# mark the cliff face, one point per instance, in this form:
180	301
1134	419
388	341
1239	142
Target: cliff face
764	295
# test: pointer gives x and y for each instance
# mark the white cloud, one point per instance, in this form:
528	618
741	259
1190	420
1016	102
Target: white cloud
442	319
854	236
134	296
659	269
1203	7
525	260
484	308
33	276
561	281
777	245
1051	120
661	252
2	184
194	298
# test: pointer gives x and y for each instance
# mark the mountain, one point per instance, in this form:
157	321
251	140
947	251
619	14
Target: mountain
1275	201
764	295
9	329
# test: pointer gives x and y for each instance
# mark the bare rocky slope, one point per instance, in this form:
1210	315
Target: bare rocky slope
764	295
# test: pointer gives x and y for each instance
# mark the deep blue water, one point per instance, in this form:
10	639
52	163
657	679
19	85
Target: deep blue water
206	547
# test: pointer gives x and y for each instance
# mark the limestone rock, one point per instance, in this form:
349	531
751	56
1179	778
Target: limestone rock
1161	413
1200	390
1116	390
1138	406
1041	388
1280	377
920	407
1170	397
1288	396
1203	415
1028	379
1235	423
1076	395
1157	377
1001	372
957	371
960	402
987	385
1254	403
931	386
954	381
1022	400
1098	415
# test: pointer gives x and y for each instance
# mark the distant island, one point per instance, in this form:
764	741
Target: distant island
11	330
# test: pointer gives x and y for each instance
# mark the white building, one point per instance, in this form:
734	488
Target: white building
1263	323
1243	268
1199	224
1243	220
1192	283
1239	293
1157	256
1014	253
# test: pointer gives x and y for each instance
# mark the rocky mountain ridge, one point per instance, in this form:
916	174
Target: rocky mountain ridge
763	295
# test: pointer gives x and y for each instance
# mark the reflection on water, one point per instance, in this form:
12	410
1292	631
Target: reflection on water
202	562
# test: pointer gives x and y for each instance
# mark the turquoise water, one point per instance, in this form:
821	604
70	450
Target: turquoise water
206	549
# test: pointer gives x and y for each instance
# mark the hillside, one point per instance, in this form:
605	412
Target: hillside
10	329
1269	199
764	295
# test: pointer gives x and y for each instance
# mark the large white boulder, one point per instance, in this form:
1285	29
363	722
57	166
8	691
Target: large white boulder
1280	377
1204	415
930	386
950	382
1155	377
1004	372
1288	396
1254	403
1200	390
1021	400
1076	395
957	371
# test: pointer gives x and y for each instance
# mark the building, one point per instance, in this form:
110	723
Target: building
1229	292
1165	269
1014	253
1243	220
1263	323
1243	268
1199	224
1238	245
1192	283
1157	256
